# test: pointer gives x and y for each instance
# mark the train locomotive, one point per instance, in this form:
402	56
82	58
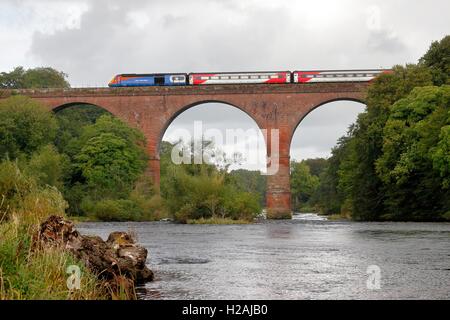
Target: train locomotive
269	77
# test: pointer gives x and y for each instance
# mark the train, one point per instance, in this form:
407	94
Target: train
259	77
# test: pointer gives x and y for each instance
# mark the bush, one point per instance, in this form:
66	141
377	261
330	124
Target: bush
25	126
114	210
47	166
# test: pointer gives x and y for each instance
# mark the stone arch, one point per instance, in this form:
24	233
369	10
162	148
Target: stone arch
318	105
64	106
186	107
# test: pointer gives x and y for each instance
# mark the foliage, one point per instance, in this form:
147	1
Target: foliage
437	59
393	164
195	191
249	181
412	140
25	126
47	166
71	122
107	159
303	184
20	78
38	273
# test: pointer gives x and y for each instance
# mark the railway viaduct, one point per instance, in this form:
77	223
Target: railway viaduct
152	109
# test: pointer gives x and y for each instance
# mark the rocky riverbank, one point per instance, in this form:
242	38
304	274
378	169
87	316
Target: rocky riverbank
118	262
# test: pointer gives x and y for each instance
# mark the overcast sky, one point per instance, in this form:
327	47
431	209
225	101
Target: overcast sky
94	40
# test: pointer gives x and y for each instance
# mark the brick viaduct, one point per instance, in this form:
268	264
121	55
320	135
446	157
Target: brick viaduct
152	109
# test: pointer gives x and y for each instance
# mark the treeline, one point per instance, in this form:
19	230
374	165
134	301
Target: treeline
394	163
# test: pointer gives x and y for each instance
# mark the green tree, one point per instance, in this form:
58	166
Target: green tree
20	78
364	191
71	122
111	157
437	59
329	195
412	140
303	184
47	166
25	126
316	165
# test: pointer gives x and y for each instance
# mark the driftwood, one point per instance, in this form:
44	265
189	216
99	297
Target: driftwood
118	259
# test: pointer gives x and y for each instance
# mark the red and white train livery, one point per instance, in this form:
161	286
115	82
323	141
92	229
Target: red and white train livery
336	75
236	77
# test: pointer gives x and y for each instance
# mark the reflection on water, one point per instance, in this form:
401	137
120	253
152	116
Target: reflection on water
307	257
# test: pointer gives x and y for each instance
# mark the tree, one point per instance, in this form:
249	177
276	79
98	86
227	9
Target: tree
110	157
364	188
437	59
412	143
303	184
20	78
329	195
25	126
71	122
316	165
47	166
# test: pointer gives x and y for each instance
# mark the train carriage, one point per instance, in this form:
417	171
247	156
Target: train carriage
336	75
239	77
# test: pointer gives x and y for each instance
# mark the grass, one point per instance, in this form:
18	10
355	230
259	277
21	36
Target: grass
217	220
29	272
32	273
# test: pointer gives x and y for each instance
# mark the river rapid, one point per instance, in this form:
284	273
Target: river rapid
307	257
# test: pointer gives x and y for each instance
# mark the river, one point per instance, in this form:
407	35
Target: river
307	257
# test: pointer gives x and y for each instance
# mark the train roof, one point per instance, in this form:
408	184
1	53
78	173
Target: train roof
151	74
234	72
347	70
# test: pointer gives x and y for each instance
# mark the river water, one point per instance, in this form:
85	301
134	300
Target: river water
307	257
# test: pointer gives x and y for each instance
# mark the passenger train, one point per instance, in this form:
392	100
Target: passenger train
270	77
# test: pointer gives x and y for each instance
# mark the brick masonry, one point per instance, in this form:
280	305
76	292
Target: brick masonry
152	109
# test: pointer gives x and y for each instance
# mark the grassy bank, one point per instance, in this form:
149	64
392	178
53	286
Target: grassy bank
337	217
217	220
28	270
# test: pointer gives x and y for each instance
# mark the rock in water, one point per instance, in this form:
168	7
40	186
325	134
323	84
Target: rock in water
117	259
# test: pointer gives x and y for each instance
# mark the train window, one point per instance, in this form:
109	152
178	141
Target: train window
253	77
204	78
159	80
319	76
360	75
274	77
329	75
214	78
308	75
234	77
244	77
224	77
349	75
